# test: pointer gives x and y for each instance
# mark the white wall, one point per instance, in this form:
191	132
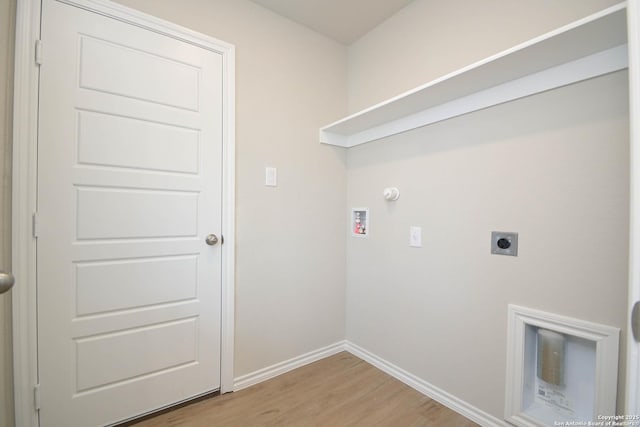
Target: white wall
430	38
7	18
552	167
290	273
290	240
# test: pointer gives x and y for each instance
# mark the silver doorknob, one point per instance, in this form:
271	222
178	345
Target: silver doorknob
6	281
635	321
211	239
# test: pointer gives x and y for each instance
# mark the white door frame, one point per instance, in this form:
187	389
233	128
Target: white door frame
25	133
632	403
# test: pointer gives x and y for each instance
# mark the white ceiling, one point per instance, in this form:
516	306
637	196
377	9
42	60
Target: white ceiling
342	20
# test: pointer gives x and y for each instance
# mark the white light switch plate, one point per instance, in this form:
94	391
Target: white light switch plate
415	237
271	177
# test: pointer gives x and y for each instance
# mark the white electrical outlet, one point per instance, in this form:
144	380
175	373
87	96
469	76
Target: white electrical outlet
415	237
271	177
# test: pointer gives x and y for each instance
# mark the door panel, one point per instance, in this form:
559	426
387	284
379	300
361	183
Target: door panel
122	285
132	143
129	185
140	213
170	83
111	358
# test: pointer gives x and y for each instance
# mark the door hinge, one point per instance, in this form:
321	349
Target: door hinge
36	397
35	226
38	54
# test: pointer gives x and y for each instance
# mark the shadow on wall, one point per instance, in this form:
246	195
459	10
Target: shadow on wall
481	127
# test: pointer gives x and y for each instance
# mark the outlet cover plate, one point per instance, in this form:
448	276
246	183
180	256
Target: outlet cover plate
504	243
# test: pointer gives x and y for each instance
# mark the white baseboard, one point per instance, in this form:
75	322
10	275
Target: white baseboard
288	365
429	390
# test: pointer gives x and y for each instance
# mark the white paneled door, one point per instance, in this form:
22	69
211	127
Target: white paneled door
129	186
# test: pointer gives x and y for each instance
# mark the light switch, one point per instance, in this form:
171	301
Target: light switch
271	177
415	237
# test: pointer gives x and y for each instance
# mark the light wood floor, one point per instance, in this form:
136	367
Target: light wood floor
341	390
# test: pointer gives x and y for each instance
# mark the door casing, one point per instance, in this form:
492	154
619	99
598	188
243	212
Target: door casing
24	189
632	392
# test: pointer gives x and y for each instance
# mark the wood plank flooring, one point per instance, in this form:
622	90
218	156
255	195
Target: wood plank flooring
341	390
